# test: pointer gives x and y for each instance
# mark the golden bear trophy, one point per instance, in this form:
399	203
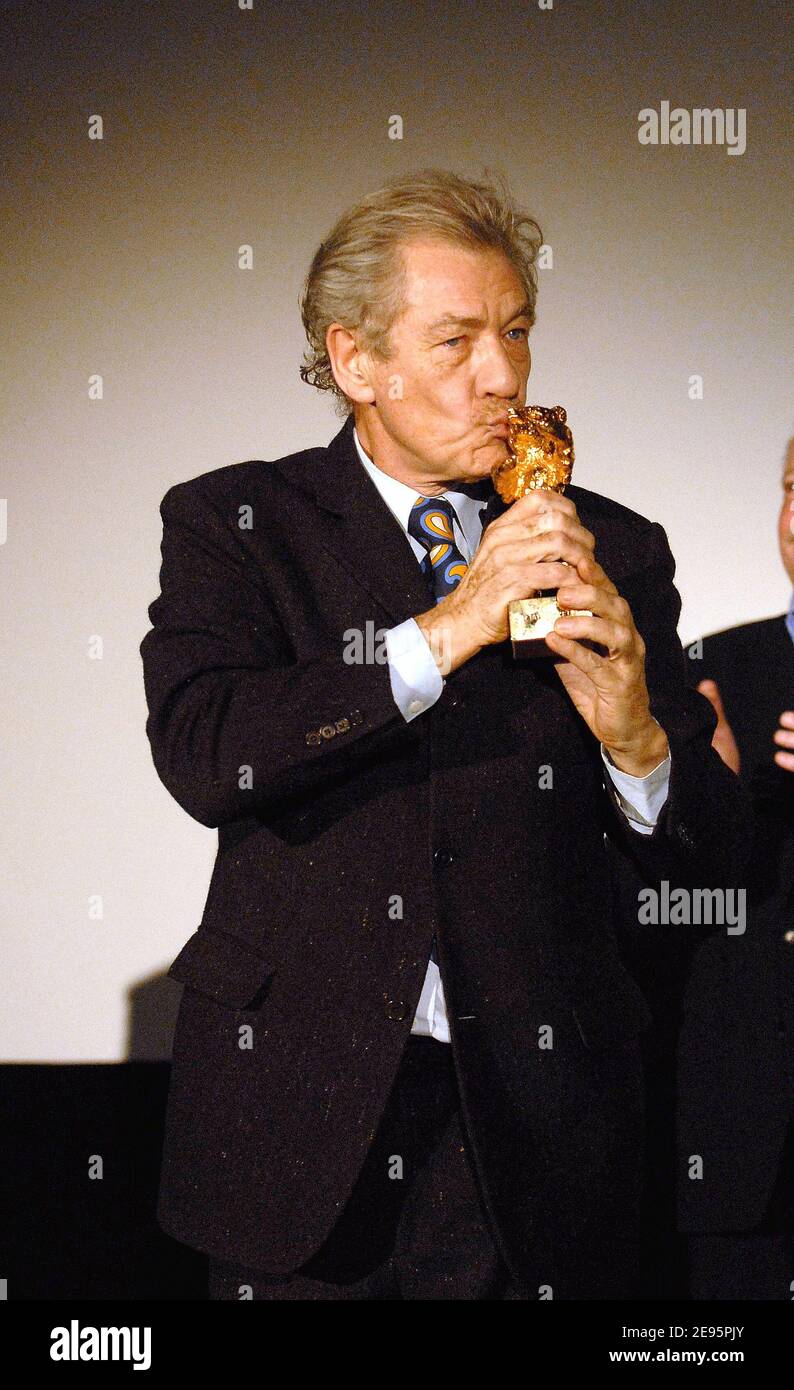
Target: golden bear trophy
540	454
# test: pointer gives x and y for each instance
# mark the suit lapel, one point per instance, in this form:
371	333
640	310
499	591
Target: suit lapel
494	509
361	532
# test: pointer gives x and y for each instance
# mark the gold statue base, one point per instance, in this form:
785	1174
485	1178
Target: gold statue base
532	618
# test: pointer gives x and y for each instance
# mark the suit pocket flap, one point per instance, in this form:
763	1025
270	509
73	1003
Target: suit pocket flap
222	967
614	1018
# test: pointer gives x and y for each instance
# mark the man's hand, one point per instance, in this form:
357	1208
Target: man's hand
723	739
608	689
537	544
784	736
520	553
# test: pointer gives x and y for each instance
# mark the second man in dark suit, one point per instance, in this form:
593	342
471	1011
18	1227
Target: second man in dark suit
736	1048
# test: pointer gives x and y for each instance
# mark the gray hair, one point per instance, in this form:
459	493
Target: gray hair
357	275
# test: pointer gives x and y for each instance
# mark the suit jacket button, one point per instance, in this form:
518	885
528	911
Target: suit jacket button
356	716
443	856
327	730
313	737
342	726
396	1010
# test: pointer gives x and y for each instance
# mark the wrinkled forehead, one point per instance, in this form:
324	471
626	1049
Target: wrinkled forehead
447	282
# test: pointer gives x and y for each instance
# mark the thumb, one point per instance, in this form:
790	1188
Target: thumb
712	693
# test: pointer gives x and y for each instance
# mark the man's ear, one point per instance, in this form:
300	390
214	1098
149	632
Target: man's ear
350	364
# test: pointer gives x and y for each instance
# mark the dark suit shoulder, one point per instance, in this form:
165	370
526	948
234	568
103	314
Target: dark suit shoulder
232	479
595	504
626	542
747	662
754	636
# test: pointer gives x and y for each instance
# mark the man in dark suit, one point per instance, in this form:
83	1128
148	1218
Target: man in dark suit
406	1060
736	1048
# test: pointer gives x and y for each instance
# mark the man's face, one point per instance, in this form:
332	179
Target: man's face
785	524
459	357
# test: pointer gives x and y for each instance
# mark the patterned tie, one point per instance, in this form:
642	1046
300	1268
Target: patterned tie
431	523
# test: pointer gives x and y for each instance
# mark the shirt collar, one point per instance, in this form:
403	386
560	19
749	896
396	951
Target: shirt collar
400	497
790	619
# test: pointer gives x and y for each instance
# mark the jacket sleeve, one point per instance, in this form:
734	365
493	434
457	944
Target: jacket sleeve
703	837
235	722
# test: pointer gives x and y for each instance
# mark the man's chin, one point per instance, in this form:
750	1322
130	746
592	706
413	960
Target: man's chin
488	455
479	472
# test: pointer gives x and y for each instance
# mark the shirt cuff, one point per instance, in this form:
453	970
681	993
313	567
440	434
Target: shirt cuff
416	681
640	798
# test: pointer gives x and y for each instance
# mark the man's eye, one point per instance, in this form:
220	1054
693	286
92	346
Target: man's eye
453	342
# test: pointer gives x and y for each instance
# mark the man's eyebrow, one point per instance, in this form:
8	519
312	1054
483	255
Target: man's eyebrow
470	321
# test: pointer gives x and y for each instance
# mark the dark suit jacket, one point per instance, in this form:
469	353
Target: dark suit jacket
328	804
736	1046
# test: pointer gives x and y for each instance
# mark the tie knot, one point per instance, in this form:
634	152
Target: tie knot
431	521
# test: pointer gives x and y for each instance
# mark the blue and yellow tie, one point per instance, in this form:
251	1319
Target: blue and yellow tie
443	565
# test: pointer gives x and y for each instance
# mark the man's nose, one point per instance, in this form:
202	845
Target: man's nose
497	374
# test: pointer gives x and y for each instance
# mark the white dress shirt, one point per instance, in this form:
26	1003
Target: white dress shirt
416	684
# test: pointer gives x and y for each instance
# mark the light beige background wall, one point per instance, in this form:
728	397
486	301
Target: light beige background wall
225	126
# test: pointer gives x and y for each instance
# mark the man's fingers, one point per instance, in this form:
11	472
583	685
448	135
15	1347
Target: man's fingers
569	526
784	737
539	502
785	760
538	512
548	531
556	545
712	693
583	658
616	637
723	739
555	549
590	572
603	599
